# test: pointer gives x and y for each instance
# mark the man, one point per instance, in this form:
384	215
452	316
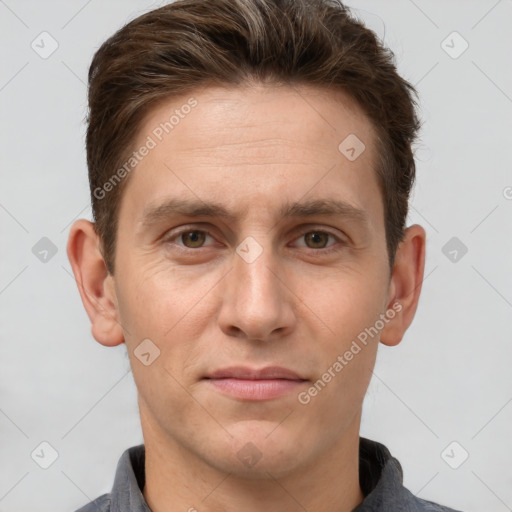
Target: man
250	165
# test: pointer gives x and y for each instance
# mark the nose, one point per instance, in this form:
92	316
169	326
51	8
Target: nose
257	301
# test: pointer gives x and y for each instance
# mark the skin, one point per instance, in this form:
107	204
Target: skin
251	149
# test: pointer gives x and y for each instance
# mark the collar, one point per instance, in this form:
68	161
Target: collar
380	478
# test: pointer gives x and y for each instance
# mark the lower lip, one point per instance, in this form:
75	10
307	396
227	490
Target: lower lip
264	389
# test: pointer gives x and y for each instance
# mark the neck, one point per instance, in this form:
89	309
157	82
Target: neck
178	480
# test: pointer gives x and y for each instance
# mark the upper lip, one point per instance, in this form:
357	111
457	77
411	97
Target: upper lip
243	372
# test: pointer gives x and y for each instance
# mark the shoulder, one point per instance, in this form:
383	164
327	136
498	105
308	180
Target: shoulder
421	505
100	504
381	479
126	493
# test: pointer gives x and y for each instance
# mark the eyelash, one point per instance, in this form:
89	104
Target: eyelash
324	250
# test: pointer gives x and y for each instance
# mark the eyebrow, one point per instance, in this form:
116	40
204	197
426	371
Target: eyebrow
154	214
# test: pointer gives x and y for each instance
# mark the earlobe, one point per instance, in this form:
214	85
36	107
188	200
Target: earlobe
405	285
94	283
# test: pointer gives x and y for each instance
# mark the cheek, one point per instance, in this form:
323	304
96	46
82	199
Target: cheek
171	308
157	296
348	307
343	302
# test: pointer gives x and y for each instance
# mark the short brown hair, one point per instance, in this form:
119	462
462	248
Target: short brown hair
189	43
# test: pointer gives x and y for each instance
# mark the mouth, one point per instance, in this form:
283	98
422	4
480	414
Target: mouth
255	384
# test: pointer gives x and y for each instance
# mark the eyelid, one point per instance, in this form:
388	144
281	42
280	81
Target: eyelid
319	228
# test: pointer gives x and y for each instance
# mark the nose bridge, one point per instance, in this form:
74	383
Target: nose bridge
255	273
256	302
253	265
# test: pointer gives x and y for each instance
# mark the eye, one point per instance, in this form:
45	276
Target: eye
318	239
191	238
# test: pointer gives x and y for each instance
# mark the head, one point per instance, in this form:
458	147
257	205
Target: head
250	166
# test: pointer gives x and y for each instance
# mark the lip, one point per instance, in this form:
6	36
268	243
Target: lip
243	372
255	384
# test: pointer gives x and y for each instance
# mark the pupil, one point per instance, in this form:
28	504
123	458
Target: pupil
192	238
316	238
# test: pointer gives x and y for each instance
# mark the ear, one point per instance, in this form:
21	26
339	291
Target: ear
95	284
405	285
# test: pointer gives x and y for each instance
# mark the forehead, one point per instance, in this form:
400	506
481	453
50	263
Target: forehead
255	145
302	115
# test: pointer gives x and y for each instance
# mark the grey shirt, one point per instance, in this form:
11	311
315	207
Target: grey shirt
380	478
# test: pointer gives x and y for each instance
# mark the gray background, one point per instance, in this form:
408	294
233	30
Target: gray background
449	380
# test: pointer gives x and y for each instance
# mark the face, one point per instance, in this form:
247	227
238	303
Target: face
240	275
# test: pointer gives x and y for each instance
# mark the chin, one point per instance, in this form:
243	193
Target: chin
259	448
